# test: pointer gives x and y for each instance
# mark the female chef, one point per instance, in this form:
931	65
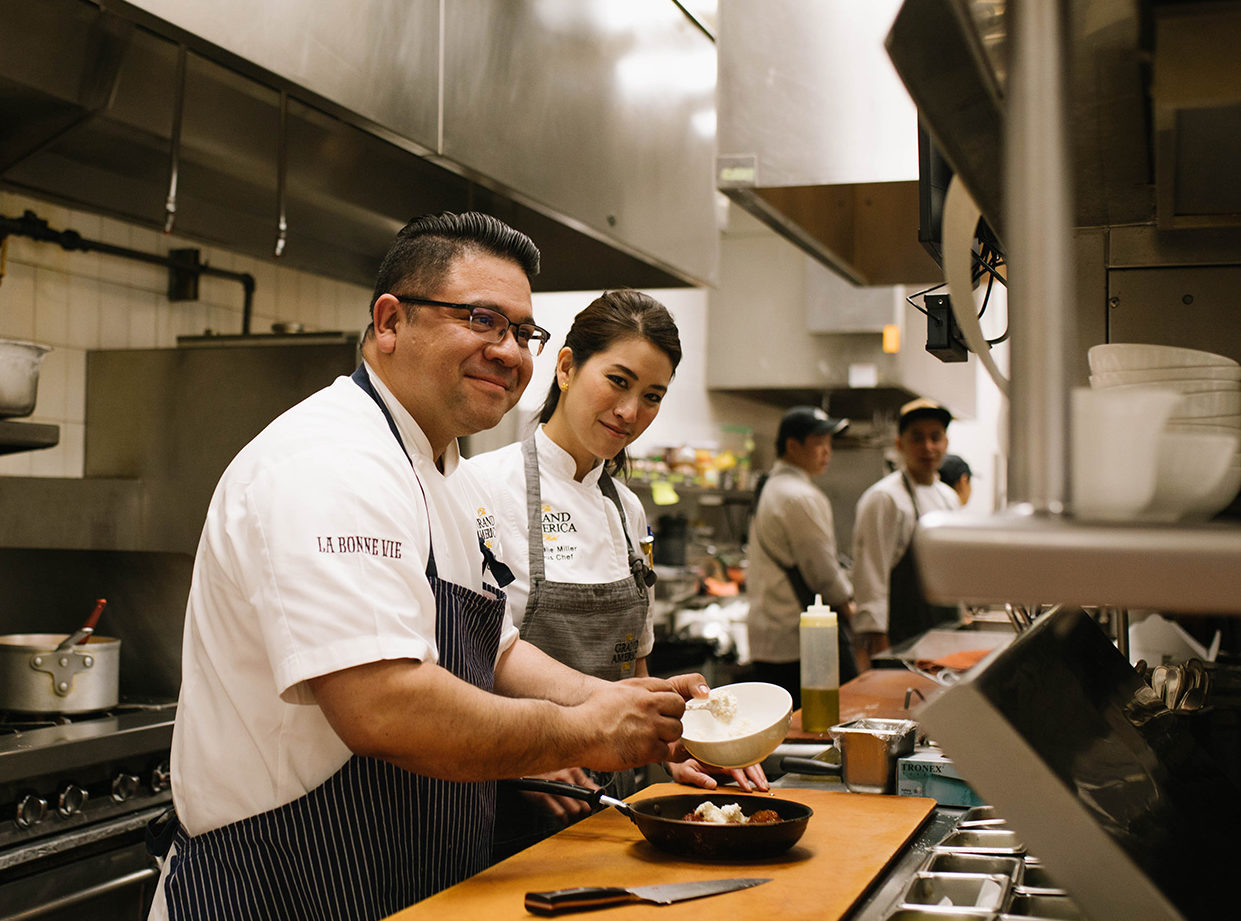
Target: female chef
570	532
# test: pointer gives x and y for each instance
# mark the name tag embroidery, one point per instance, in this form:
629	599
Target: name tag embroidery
370	546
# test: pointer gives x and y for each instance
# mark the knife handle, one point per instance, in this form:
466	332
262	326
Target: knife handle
579	898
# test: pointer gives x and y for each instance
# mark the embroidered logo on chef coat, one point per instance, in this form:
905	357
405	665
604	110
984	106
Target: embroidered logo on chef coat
356	543
486	524
560	532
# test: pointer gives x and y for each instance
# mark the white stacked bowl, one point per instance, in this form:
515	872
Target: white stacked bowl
1193	483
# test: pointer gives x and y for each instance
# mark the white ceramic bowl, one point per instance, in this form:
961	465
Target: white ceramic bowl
1218	498
1207	404
1183	385
1135	356
1193	474
764	712
1159	375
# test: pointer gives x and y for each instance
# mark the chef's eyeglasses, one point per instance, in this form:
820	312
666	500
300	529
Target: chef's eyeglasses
491	324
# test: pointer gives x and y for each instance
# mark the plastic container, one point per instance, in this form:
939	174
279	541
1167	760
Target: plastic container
19	376
820	668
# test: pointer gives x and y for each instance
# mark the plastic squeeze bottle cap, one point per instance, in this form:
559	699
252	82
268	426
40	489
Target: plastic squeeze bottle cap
818	614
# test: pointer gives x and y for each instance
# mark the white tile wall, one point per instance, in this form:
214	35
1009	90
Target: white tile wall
76	302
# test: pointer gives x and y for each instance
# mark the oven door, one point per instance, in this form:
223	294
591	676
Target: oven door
102	872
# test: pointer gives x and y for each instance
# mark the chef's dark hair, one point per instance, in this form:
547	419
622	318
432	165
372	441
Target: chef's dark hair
610	318
425	249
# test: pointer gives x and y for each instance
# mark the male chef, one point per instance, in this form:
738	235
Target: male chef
792	547
890	604
352	687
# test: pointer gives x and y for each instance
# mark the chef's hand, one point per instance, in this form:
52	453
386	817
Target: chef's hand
691	686
564	808
693	773
629	723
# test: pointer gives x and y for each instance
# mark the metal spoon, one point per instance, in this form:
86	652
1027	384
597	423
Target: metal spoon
1159	680
1194	699
1174	687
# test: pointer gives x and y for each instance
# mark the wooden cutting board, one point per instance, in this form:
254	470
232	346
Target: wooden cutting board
848	842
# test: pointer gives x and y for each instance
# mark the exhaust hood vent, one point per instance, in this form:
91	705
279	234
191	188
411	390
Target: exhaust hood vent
817	137
100	112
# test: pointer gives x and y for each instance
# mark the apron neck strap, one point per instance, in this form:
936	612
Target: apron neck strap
363	380
534	511
913	496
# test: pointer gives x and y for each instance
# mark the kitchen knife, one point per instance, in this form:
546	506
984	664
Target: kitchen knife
584	898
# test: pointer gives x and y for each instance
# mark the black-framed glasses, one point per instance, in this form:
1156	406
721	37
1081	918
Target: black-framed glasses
490	324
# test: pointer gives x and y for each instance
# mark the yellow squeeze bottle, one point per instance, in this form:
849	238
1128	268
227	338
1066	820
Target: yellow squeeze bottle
820	668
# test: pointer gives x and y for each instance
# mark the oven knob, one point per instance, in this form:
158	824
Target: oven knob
124	786
71	801
161	778
31	810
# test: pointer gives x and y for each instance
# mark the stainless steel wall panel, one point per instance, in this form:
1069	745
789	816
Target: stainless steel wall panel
599	111
376	58
809	89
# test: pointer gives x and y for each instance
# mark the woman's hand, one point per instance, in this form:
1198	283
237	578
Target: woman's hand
693	773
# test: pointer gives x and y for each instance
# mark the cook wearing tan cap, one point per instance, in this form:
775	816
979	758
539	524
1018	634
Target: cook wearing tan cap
890	604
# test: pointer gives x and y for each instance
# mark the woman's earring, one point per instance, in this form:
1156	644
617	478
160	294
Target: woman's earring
564	385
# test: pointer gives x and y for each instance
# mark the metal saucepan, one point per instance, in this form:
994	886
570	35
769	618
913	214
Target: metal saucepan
661	821
51	673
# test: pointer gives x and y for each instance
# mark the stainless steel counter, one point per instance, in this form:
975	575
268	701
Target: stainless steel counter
889	887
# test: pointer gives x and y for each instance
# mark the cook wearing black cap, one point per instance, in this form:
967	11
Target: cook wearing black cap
890	604
792	551
956	473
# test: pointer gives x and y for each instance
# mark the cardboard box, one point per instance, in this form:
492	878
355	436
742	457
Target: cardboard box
929	772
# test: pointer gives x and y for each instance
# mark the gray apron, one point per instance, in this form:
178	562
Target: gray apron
592	627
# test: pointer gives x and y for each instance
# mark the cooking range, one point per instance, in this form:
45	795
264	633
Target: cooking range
82	774
76	793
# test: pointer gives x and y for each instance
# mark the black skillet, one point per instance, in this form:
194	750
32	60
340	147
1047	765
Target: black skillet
661	821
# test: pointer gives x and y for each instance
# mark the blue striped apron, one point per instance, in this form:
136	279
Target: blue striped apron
373	838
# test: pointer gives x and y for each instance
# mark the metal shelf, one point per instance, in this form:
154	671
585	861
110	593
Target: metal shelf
1019	556
27	436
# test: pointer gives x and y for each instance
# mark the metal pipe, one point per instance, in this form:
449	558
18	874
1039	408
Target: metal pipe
1039	228
33	227
174	153
282	159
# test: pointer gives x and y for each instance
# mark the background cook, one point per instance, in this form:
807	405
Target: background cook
890	605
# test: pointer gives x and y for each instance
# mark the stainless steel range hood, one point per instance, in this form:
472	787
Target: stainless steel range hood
817	137
112	109
1154	104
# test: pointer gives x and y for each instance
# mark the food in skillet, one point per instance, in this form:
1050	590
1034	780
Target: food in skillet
730	814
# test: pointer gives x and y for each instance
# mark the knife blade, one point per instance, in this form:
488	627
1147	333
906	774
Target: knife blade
585	898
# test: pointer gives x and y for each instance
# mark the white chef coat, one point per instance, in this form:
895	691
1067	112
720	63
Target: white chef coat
312	560
582	536
793	519
882	530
